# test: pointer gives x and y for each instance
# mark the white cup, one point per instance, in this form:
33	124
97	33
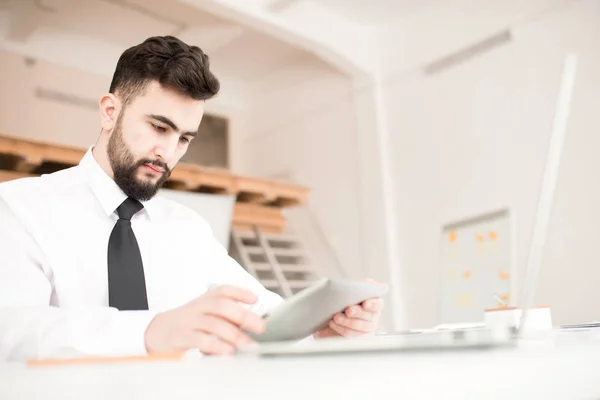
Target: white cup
539	319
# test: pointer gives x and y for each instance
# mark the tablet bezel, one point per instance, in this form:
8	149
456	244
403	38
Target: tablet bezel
311	309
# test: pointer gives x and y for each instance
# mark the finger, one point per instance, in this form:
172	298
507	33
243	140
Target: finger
342	330
224	330
210	344
233	312
354	324
234	293
374	305
360	313
325	332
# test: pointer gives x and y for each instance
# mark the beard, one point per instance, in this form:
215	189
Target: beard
125	168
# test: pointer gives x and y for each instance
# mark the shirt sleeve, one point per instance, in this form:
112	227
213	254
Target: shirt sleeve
30	328
230	272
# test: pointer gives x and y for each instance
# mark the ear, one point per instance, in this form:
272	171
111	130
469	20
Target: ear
109	111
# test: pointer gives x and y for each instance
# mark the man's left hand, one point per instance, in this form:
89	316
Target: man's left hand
356	320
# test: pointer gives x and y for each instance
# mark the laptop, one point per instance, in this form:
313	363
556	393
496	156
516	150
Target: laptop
462	338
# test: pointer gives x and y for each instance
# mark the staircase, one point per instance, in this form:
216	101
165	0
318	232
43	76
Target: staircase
277	260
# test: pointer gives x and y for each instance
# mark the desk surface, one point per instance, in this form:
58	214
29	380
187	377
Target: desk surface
531	371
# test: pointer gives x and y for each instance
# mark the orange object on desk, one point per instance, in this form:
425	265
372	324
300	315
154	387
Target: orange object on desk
104	360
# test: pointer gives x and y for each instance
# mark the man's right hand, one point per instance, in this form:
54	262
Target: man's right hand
214	323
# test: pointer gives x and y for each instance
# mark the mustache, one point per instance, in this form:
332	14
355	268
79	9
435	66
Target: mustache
158	163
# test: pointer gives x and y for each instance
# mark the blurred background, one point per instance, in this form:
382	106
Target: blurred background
400	140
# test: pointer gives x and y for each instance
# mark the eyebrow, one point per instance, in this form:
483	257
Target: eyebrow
167	121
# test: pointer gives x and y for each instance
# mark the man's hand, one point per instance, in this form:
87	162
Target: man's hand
214	323
356	320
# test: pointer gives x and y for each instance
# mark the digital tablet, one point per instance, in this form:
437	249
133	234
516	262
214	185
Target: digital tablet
311	309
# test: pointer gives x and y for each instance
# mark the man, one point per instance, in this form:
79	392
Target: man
93	263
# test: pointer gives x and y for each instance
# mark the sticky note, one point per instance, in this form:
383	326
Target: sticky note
452	237
464	300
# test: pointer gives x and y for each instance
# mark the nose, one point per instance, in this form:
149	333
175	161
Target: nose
165	148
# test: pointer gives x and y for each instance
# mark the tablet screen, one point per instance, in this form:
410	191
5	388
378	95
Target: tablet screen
311	309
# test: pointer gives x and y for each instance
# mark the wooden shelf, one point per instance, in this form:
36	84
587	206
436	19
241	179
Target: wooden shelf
29	156
258	201
270	219
10	175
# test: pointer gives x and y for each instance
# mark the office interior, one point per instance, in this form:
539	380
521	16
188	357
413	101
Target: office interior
401	141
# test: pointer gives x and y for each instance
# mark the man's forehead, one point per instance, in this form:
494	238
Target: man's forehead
182	110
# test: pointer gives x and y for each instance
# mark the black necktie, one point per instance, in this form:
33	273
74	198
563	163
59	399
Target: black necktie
126	282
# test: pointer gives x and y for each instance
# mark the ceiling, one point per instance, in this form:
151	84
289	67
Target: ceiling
93	33
370	13
377	12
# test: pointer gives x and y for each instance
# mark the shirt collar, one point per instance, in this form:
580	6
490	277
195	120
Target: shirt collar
108	193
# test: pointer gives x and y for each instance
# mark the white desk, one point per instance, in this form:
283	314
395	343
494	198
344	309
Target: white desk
568	371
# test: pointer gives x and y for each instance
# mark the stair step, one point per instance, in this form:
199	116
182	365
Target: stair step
275	237
285	267
244	234
291	258
293	284
257	250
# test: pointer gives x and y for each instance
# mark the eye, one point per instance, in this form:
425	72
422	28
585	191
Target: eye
158	128
185	139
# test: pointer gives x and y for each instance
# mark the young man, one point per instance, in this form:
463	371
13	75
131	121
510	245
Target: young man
93	263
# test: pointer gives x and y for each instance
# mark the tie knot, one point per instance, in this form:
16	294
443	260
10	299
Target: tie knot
128	208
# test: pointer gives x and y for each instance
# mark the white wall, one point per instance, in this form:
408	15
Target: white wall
303	126
473	139
24	115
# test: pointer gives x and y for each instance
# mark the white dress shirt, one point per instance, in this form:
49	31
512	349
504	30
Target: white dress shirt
54	233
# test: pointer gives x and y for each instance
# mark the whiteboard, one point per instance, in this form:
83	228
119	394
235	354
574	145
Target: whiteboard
476	266
216	209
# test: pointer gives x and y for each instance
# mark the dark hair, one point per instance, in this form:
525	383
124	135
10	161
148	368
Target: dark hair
168	60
